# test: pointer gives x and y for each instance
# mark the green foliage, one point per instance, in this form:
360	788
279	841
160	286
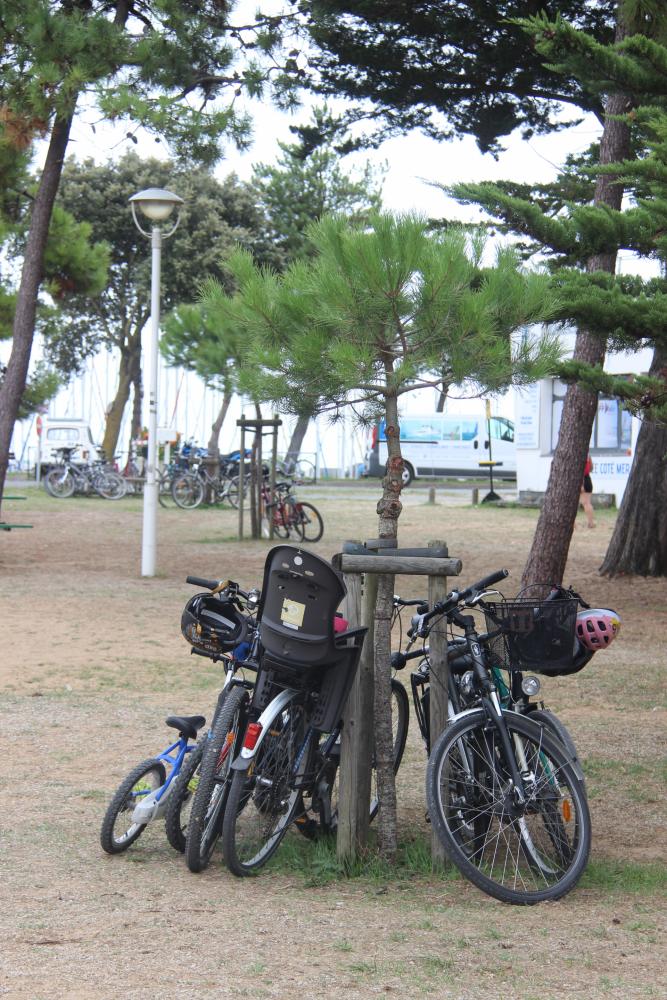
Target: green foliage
378	311
448	68
216	216
306	184
40	388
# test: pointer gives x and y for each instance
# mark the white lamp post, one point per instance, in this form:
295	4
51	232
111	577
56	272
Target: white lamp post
157	205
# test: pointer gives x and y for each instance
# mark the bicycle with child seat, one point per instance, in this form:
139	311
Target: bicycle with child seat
200	800
503	793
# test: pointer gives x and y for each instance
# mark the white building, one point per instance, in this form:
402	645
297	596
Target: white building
538	411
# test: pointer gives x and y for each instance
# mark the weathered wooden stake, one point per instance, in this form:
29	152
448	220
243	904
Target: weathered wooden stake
438	697
357	736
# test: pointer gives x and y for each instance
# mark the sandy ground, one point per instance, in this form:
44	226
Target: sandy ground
91	662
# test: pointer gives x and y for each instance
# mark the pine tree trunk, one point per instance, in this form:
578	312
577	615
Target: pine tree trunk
16	375
444	392
551	544
389	509
216	427
639	542
298	434
129	376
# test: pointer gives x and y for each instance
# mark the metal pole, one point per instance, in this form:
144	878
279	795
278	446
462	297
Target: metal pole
241	472
149	538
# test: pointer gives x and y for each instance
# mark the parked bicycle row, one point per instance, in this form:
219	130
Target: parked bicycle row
189	487
505	790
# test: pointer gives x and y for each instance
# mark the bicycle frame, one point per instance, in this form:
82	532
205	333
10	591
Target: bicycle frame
154	803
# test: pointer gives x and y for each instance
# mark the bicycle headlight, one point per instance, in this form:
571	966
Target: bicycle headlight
530	685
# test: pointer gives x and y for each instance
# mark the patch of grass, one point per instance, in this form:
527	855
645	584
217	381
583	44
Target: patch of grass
342	945
624	876
316	862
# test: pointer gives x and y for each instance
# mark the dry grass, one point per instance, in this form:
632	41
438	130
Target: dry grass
92	661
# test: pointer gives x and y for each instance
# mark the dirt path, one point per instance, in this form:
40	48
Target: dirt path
92	660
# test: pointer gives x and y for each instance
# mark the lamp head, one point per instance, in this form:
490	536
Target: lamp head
156	203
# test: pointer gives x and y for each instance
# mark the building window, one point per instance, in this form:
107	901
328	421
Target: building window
612	427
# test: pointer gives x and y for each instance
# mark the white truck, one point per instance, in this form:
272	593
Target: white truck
64	432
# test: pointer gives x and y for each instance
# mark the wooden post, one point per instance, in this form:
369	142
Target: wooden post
431	495
475	496
241	473
272	478
354	782
438	697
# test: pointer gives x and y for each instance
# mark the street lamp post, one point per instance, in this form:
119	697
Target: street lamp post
157	205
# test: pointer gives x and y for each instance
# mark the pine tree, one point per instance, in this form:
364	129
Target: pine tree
157	65
375	313
605	309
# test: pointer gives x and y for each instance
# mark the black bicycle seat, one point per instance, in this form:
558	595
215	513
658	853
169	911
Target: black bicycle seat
187	725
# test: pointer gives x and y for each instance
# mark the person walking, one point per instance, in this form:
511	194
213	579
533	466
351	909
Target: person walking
586	491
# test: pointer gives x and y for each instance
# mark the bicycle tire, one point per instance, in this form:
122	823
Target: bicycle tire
520	855
264	800
232	494
59	483
187	491
181	798
558	729
209	804
313	821
164	494
111	485
123	802
309	522
304	471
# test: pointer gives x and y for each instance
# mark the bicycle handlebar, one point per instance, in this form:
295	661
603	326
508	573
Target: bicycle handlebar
199	581
462	596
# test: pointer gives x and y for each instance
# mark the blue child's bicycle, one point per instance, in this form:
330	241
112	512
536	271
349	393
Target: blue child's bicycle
143	795
164	786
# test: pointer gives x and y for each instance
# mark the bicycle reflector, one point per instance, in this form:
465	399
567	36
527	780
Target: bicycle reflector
251	735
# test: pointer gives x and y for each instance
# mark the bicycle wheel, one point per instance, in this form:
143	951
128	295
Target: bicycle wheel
118	828
232	492
309	522
181	798
164	494
110	485
187	491
304	471
519	853
320	813
263	801
59	483
208	807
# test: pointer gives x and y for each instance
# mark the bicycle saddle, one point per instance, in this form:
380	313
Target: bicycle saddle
187	725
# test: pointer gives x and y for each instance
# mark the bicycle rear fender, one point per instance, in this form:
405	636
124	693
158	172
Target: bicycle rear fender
272	710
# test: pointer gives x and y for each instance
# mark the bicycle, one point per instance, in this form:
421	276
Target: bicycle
143	794
515	692
291	518
218	625
502	792
285	770
191	488
69	477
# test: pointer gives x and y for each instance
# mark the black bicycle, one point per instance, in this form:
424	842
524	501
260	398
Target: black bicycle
502	791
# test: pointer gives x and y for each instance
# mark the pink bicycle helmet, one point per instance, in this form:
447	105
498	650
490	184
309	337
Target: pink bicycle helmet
597	627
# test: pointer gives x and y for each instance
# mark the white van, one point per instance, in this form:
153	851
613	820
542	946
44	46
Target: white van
65	432
447	444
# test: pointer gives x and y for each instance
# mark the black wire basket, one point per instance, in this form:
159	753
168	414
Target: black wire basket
536	635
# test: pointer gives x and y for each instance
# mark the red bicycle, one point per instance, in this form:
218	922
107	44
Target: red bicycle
291	518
